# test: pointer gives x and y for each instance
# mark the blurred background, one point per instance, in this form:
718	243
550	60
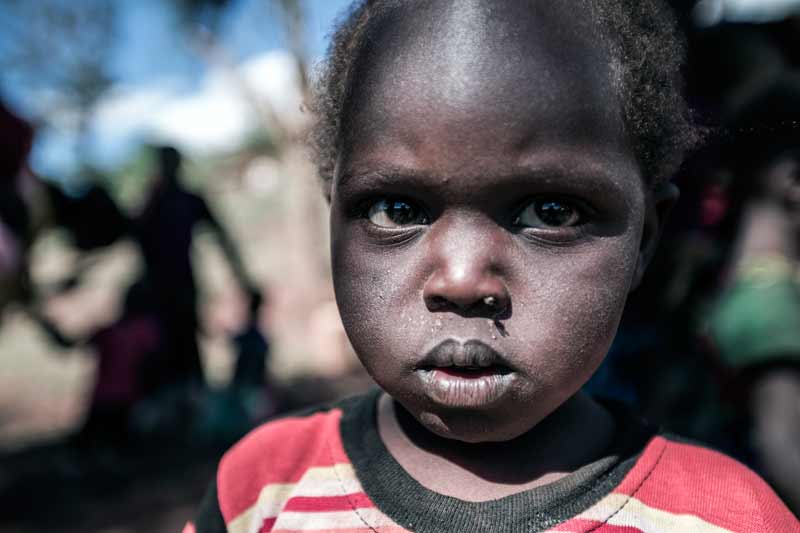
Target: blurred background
164	281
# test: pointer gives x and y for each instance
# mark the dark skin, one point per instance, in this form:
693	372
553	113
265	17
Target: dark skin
487	158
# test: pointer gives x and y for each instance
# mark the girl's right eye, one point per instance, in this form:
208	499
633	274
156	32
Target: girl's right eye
394	214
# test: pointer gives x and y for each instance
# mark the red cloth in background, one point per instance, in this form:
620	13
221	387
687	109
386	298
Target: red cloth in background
122	349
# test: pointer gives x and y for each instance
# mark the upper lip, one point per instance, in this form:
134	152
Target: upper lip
470	354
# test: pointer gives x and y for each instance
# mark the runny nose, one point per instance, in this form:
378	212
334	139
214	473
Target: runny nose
467	281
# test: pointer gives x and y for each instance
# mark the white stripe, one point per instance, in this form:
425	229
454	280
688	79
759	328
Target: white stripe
270	502
363	518
337	480
622	510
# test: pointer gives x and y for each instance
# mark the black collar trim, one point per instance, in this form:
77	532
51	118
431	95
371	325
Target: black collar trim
419	509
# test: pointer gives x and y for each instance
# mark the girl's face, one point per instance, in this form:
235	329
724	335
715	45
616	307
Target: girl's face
487	213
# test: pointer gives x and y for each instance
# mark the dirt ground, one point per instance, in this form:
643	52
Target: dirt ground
48	484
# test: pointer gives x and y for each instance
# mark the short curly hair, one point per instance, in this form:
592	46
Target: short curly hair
647	48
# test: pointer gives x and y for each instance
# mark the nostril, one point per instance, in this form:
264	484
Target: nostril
489	306
436	303
493	306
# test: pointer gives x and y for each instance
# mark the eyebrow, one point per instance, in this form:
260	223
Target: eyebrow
598	178
388	175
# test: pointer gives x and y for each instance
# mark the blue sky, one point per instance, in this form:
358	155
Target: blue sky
248	27
150	55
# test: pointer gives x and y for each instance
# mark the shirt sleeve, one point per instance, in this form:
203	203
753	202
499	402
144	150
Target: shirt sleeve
209	516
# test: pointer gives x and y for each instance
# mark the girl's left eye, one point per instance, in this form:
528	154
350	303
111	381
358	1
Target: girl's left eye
393	213
548	214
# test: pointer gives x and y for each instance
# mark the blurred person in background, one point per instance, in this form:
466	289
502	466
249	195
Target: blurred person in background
16	138
29	204
252	395
126	348
164	231
91	217
754	322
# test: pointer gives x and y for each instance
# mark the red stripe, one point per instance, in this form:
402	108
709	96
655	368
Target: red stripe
321	504
278	452
595	526
267	524
610	528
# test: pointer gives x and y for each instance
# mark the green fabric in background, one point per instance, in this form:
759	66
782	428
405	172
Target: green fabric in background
757	321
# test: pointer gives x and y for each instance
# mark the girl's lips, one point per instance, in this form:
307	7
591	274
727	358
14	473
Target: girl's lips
464	375
459	388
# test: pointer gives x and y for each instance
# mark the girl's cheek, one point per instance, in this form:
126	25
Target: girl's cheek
370	286
580	298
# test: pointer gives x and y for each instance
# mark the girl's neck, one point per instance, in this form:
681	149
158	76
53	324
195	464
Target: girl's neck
575	435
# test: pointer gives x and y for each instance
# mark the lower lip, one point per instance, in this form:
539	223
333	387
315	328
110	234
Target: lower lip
452	388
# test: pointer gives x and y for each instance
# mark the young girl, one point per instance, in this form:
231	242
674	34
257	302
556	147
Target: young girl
498	175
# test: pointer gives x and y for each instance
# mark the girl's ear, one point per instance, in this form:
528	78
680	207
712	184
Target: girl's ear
661	199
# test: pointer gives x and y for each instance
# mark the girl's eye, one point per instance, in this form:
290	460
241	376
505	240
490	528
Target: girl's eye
548	213
387	213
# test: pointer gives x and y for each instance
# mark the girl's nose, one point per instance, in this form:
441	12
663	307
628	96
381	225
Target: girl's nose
467	279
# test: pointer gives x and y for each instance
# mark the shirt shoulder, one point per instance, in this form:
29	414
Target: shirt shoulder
286	468
679	486
275	456
720	488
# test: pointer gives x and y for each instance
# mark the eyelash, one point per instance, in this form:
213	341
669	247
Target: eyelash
362	207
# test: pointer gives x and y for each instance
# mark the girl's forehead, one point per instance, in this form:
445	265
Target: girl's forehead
474	44
499	75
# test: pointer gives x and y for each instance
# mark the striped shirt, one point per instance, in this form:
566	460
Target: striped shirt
328	471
